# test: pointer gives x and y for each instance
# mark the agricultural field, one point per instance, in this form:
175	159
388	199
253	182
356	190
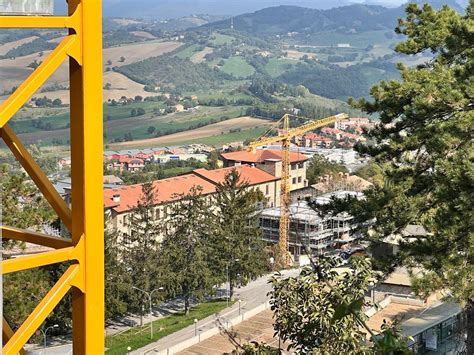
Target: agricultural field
238	67
219	39
118	123
199	57
187	52
277	66
14	71
239	127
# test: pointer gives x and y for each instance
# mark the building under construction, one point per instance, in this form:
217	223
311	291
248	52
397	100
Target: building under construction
319	234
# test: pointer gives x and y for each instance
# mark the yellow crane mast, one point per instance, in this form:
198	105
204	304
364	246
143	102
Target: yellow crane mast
285	136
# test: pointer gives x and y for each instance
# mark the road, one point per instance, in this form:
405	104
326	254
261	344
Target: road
252	296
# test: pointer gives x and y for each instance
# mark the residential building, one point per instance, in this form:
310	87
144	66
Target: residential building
308	230
179	108
120	202
270	160
354	122
126	164
268	184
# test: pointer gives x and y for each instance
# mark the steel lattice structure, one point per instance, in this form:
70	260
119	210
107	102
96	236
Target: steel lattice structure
84	219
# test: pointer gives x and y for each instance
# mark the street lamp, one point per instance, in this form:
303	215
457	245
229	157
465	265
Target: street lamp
228	278
150	294
272	262
129	348
45	333
195	327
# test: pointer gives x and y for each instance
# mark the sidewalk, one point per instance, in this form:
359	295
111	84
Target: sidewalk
254	299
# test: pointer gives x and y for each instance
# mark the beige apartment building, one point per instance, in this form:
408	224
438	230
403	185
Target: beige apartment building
270	161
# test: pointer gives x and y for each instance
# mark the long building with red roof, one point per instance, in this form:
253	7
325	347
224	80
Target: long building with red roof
120	202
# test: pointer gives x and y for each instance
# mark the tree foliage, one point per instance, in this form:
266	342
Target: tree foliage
141	250
425	145
310	316
238	237
185	255
320	166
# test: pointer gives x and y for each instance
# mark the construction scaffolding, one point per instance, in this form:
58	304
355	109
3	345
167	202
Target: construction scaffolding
307	229
84	252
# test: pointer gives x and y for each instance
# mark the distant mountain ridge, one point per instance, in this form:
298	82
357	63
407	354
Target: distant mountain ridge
285	19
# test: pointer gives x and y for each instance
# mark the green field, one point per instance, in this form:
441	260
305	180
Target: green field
238	67
276	67
220	39
187	52
139	337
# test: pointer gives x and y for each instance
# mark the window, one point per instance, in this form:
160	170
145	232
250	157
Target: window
125	220
294	180
299	179
301	165
293	166
267	189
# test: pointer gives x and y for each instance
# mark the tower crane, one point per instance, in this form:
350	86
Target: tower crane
285	136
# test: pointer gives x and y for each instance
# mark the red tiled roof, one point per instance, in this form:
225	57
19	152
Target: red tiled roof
165	191
249	174
260	155
131	160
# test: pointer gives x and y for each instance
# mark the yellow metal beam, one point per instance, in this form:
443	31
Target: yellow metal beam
37	175
41	312
72	21
52	62
37	260
24	235
83	46
87	189
8	333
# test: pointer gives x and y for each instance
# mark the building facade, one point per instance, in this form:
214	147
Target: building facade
121	202
270	160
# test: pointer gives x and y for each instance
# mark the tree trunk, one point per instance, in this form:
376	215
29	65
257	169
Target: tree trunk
469	309
186	305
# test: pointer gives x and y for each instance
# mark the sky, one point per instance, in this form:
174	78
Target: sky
165	9
179	8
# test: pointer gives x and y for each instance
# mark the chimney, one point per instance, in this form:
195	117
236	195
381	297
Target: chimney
116	198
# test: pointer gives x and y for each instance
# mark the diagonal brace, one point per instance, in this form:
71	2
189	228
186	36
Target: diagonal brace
36	79
37	175
41	312
8	333
28	236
